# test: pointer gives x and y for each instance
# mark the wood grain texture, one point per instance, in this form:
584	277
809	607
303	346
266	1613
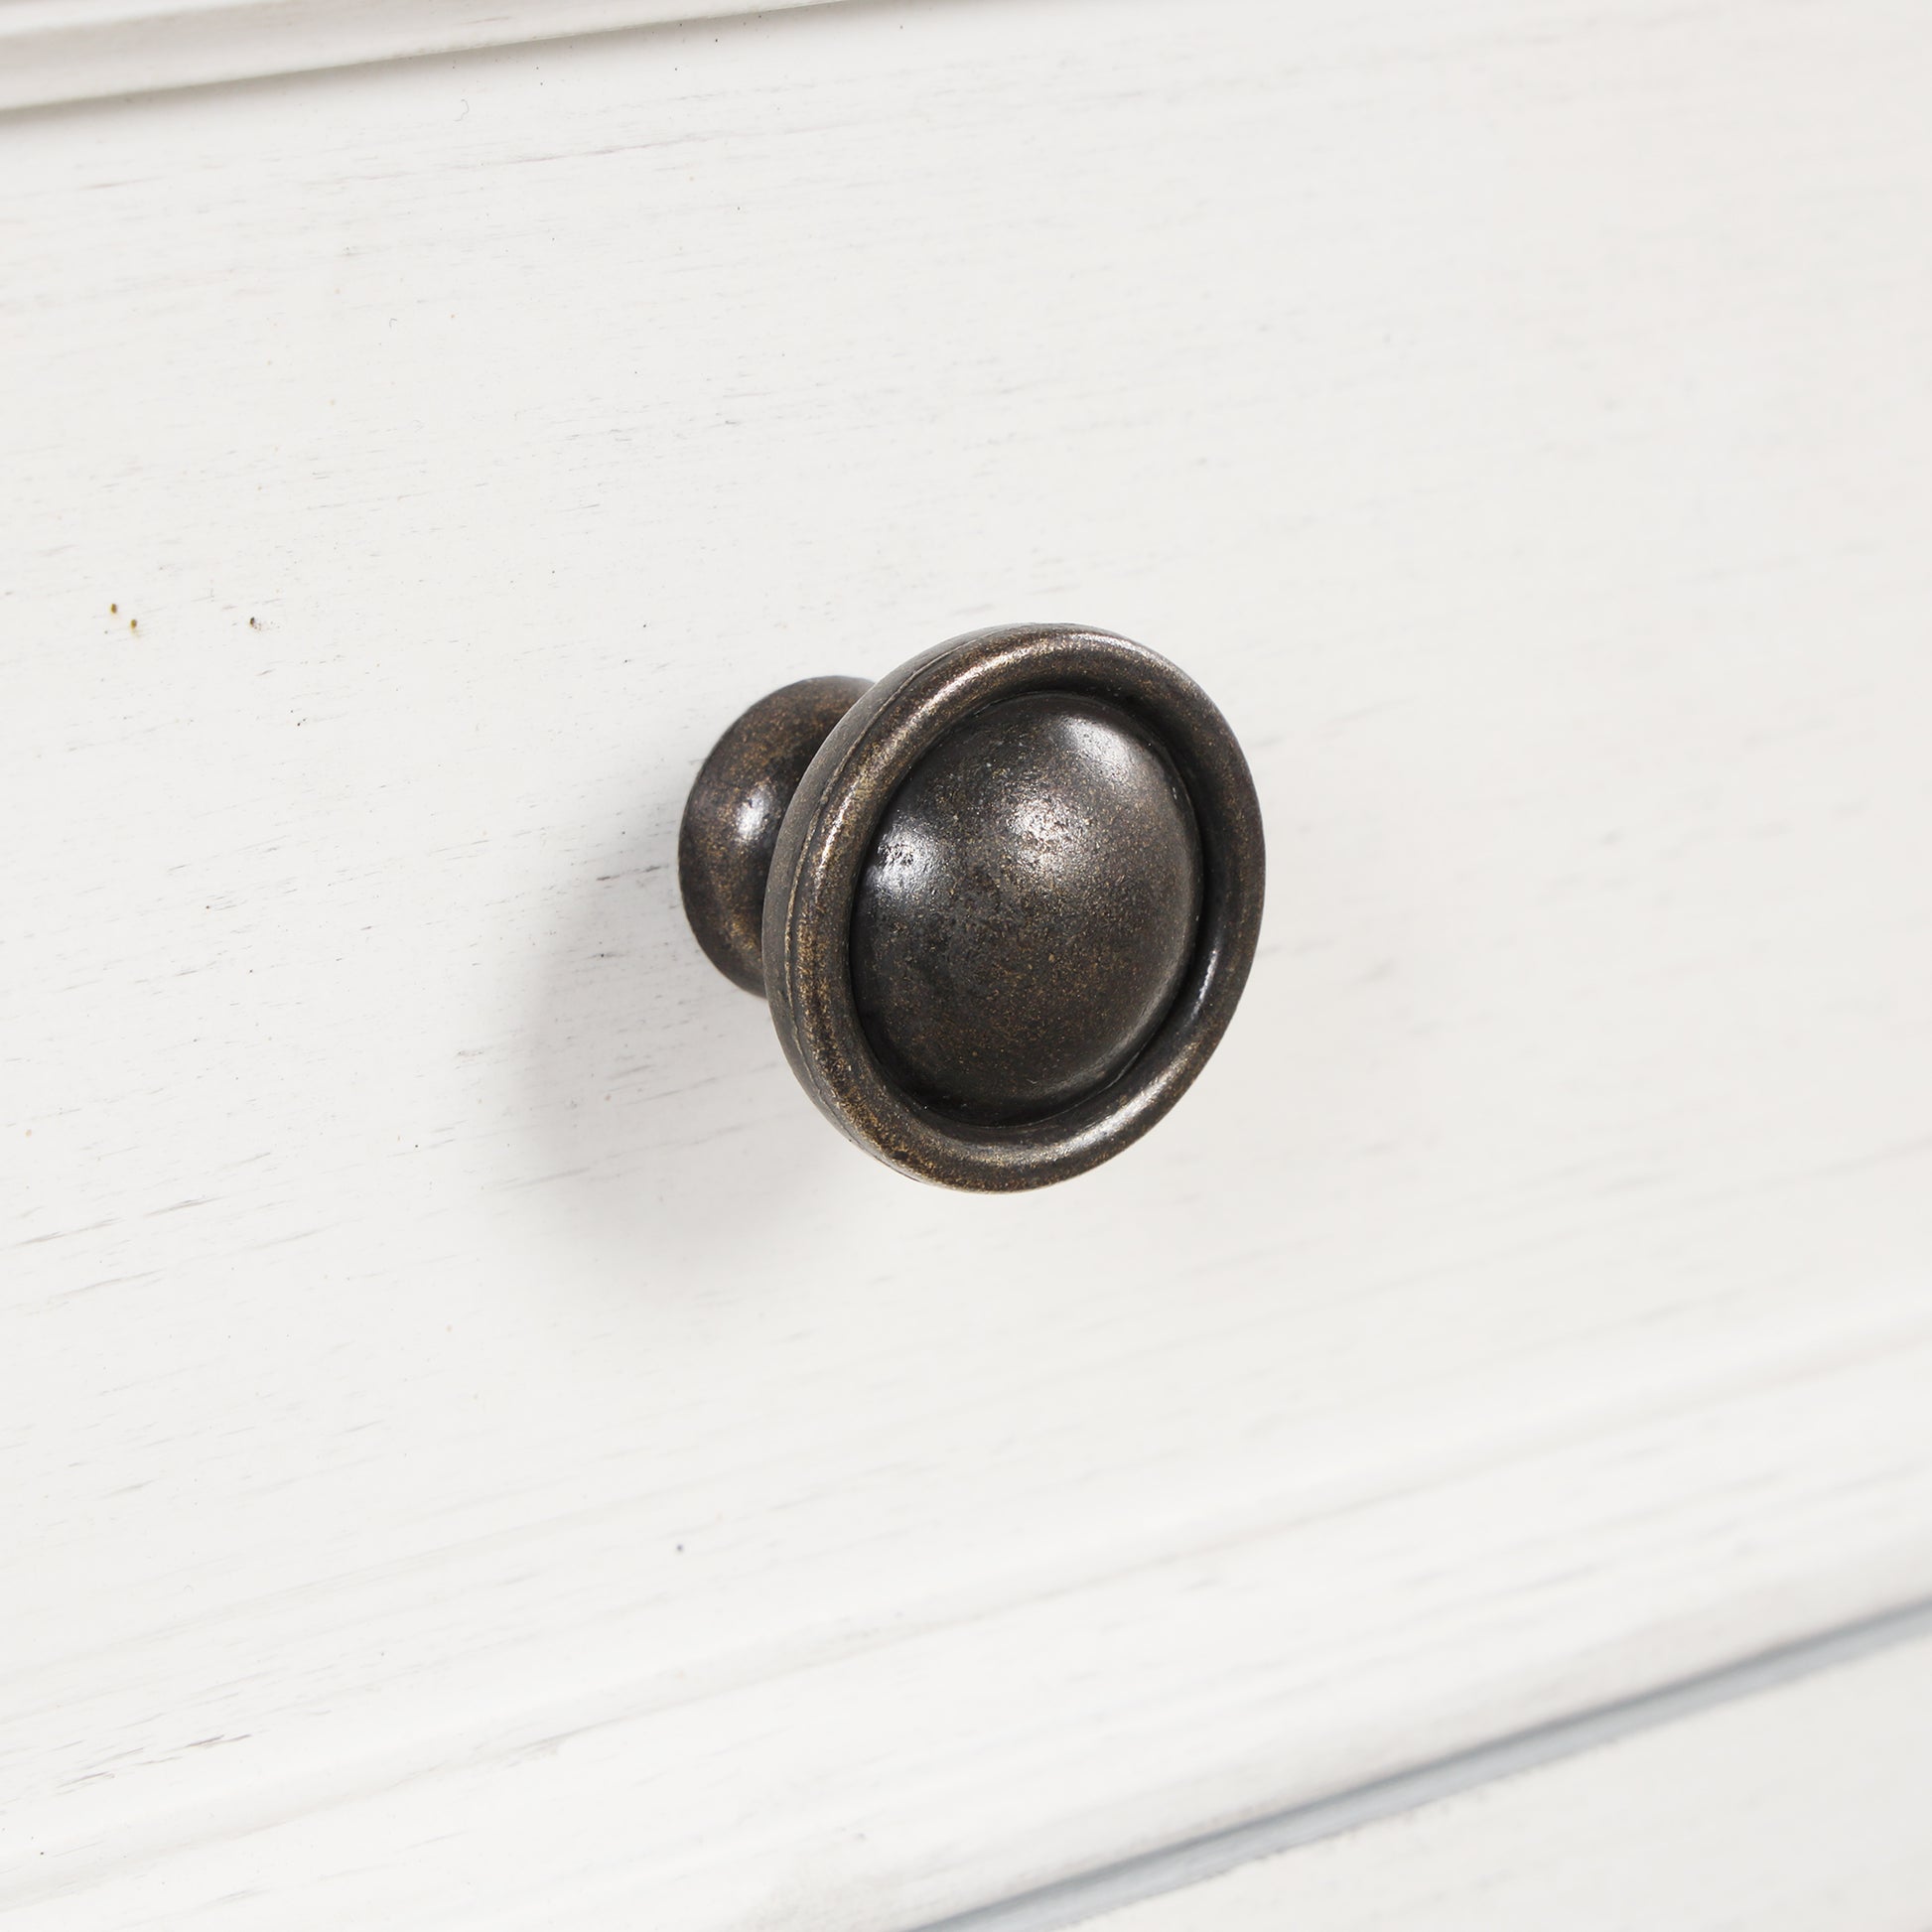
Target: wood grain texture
479	1450
1800	1809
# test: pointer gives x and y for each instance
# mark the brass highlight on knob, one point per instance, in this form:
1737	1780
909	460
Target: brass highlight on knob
1002	903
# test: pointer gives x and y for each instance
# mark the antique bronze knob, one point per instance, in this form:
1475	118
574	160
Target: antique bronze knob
1002	903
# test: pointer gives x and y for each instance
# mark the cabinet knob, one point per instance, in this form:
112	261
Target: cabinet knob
1002	903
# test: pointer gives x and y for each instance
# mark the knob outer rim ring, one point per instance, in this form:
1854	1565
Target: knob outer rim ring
820	855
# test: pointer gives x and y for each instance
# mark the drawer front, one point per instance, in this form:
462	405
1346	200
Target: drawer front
483	1449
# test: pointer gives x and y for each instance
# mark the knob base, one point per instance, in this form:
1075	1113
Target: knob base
732	817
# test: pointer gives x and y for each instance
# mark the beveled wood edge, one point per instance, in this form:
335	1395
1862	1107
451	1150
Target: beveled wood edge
59	51
1642	1767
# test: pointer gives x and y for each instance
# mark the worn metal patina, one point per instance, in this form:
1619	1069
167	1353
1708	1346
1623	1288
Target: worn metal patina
1002	903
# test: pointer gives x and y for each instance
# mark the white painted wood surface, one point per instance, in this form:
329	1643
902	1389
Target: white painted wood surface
1799	1810
479	1450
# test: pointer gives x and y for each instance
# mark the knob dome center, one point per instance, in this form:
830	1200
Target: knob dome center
1027	909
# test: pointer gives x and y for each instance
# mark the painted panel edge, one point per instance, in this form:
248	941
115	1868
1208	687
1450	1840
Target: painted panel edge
1800	1804
59	51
